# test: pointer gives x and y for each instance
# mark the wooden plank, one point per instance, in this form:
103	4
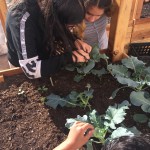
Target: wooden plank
3	11
11	72
118	28
140	37
142	27
142	21
129	32
141	40
138	31
136	9
133	9
139	9
141	30
1	78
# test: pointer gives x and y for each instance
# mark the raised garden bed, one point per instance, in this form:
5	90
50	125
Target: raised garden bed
26	123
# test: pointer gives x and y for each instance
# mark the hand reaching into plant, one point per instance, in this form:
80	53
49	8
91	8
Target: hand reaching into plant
80	56
79	134
82	45
83	52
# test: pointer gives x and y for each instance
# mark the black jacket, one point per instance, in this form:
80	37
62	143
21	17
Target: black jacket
25	42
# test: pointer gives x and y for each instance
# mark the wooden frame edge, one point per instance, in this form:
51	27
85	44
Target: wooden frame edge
1	78
11	72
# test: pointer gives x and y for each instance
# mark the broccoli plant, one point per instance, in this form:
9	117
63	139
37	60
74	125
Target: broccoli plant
72	100
88	67
136	75
106	124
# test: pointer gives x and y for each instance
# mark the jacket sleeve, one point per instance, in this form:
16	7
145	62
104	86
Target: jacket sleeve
25	44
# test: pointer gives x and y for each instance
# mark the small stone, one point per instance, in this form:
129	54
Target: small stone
9	138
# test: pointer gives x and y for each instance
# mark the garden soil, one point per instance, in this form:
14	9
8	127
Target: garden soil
27	124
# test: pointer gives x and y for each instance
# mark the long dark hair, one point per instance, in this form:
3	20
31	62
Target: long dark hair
129	143
57	14
102	4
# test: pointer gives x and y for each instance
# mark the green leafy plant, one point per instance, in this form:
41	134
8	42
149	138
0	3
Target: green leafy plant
86	68
72	100
141	118
105	124
43	89
135	75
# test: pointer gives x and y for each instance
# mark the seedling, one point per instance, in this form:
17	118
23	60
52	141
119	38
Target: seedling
43	99
43	89
72	100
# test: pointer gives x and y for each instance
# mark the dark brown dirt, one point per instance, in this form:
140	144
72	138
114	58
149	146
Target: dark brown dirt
25	123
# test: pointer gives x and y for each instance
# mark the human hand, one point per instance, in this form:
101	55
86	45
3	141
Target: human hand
80	56
82	45
78	134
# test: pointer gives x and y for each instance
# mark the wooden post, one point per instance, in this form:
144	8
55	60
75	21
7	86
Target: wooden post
118	27
3	11
1	78
138	9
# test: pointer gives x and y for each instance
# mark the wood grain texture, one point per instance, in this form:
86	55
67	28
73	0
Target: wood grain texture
3	11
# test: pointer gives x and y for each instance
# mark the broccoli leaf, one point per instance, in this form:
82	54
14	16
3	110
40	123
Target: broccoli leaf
115	115
133	63
99	73
121	131
90	65
141	118
118	70
78	77
71	121
95	119
55	100
141	99
89	145
127	81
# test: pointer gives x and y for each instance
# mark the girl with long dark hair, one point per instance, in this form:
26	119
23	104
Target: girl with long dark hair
39	39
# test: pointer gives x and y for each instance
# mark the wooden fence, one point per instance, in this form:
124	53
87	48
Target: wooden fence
127	27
